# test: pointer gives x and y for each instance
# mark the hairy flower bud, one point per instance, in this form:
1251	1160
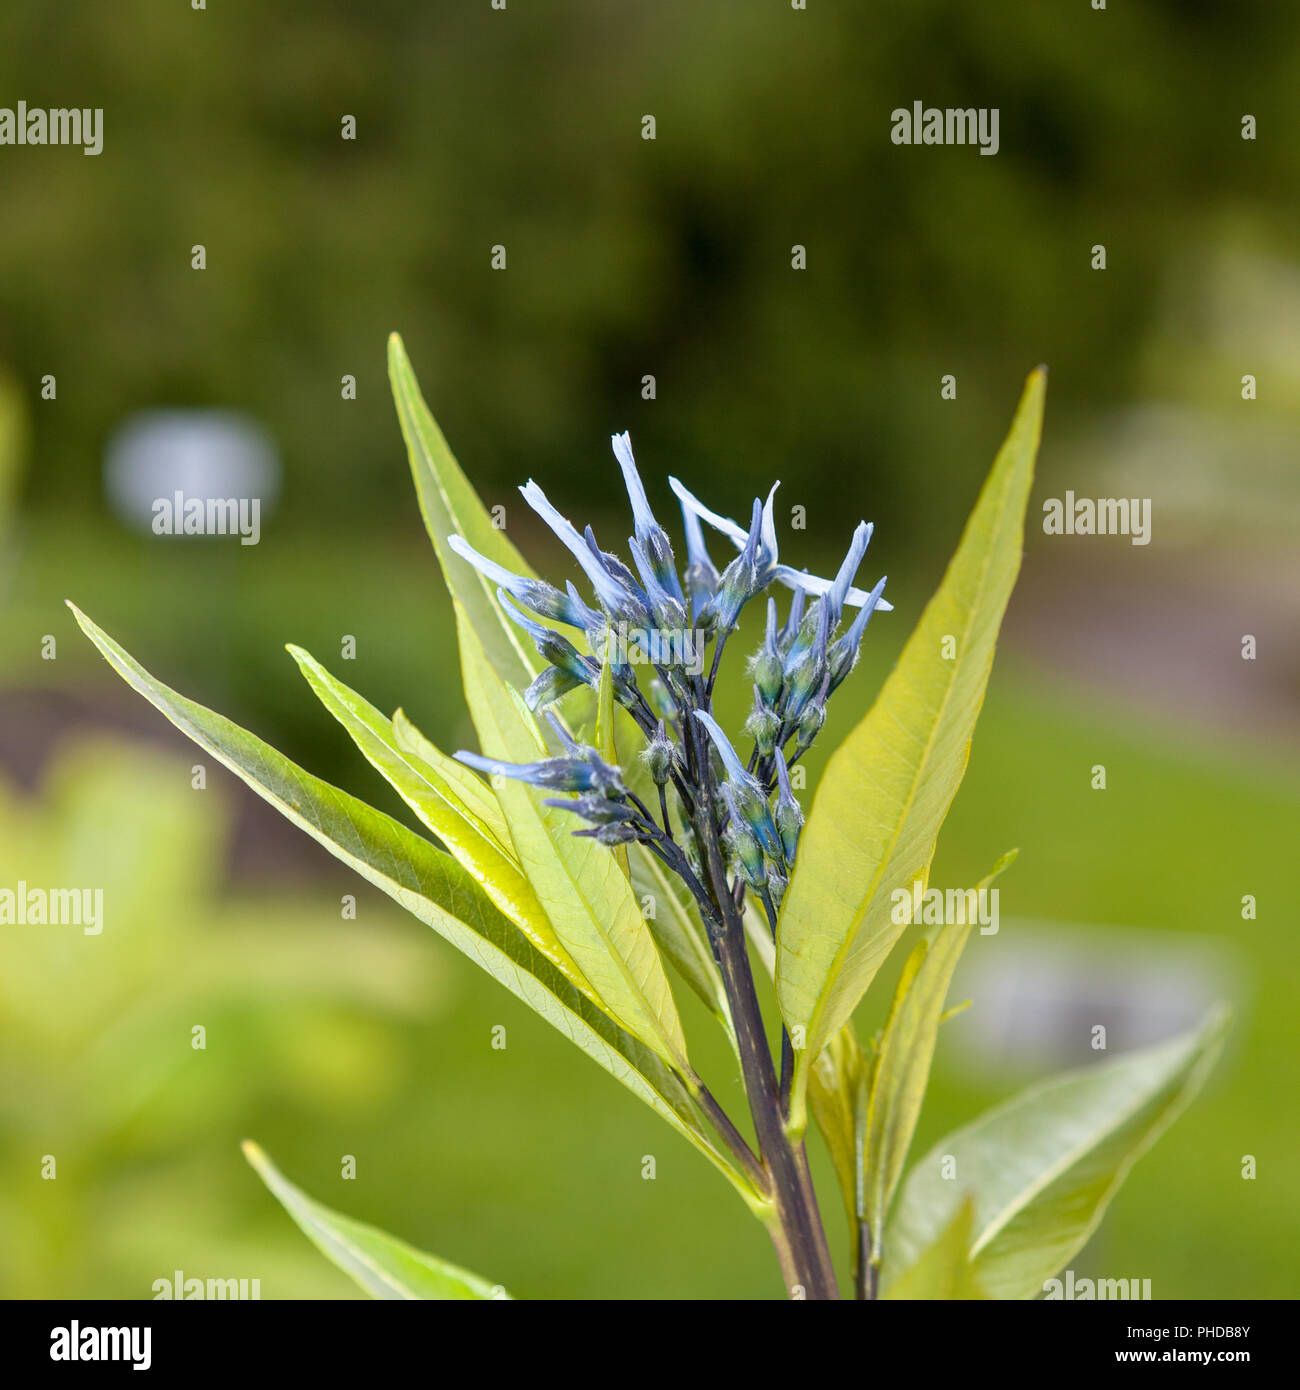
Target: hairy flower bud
658	756
788	815
763	726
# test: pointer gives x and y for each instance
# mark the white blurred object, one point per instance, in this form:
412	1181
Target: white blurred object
200	453
1039	989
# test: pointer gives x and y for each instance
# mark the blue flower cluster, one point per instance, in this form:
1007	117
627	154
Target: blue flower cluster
746	809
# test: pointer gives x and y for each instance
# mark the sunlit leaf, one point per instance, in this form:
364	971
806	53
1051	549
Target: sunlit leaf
468	786
425	791
1041	1168
383	1265
433	887
888	787
450	506
579	883
901	1069
943	1270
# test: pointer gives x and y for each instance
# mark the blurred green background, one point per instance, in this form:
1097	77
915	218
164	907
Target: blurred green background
626	258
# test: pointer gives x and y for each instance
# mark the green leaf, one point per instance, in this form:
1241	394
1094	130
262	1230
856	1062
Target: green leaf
450	506
902	1064
433	887
943	1270
579	883
888	787
384	1266
837	1096
432	799
472	790
1041	1168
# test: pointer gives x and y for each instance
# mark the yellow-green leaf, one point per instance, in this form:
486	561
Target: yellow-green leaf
943	1270
1041	1168
901	1069
837	1097
579	883
888	787
450	506
424	790
383	1265
472	790
433	887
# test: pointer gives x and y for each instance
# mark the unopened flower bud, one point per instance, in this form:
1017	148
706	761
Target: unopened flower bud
763	726
658	756
810	724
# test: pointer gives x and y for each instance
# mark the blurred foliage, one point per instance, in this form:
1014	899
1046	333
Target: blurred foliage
97	1066
523	127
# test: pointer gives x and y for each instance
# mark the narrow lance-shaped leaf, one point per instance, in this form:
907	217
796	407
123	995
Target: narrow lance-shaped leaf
901	1069
837	1097
434	888
473	792
450	506
1041	1168
432	799
888	787
383	1265
579	883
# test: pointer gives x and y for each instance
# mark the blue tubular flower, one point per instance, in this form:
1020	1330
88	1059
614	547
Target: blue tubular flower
667	607
610	835
794	620
541	597
653	539
568	668
555	774
636	603
599	810
547	687
742	578
701	572
766	666
813	717
771	568
806	673
744	844
839	591
844	654
788	815
582	769
742	791
612	595
730	759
